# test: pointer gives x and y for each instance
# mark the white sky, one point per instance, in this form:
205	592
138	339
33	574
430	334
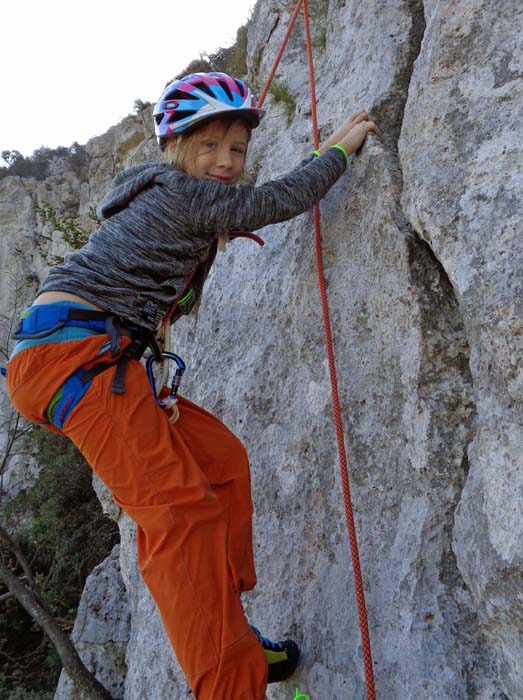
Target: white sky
70	70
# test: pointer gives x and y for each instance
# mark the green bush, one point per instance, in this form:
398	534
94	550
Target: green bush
38	165
280	93
73	235
22	694
61	528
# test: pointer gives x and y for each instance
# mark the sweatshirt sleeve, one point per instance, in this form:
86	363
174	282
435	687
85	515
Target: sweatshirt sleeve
214	207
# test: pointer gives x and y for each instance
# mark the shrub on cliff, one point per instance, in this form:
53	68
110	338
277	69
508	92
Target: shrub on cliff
39	165
60	526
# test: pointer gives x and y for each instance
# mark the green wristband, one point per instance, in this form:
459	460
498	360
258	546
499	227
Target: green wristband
340	148
317	153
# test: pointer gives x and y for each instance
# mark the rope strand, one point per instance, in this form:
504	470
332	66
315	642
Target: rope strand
351	527
280	53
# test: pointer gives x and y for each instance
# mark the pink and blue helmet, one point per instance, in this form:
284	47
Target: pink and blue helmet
200	96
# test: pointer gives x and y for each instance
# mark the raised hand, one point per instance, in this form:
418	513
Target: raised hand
352	133
356	136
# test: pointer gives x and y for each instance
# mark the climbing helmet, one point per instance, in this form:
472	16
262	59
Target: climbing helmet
200	96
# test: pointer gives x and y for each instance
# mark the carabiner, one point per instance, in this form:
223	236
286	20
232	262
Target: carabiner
175	383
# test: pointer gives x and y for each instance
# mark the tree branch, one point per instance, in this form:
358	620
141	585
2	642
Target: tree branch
14	547
73	665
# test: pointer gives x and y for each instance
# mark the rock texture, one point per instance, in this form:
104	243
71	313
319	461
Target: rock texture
102	622
462	162
424	263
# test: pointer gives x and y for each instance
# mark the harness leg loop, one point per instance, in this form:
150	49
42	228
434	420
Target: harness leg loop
118	385
114	335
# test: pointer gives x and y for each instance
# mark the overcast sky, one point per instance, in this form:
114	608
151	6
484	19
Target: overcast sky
70	70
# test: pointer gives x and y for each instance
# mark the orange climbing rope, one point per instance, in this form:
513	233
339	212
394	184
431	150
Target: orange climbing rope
353	540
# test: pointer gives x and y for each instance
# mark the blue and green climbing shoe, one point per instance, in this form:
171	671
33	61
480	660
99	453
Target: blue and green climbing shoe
282	657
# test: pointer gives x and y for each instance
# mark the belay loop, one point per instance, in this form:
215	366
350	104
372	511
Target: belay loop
169	403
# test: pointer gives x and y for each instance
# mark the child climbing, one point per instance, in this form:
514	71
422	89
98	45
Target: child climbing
182	477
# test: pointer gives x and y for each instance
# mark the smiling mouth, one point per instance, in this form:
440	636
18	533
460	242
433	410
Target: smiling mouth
220	179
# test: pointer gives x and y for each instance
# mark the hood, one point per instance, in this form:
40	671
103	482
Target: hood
127	184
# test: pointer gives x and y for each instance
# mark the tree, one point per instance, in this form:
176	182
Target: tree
17	576
16	571
139	105
11	157
40	164
27	593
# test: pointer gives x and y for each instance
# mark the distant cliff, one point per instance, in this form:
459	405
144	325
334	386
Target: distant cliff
424	261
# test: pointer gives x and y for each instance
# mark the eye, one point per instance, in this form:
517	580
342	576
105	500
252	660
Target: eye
238	149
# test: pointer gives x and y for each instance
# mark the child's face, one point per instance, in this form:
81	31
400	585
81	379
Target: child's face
219	153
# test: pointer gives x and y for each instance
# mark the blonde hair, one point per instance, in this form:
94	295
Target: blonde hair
178	149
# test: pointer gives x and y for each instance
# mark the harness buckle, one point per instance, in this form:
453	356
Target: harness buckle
113	333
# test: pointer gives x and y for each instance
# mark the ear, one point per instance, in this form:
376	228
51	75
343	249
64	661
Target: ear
169	146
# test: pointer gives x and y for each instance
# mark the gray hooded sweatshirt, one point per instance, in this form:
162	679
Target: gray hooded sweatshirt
158	240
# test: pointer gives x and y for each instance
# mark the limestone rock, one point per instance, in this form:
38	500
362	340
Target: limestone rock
101	630
423	260
461	153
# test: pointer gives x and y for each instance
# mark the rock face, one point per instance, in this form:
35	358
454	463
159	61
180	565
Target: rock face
102	622
461	155
423	253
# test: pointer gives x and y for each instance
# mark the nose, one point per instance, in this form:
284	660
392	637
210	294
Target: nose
223	158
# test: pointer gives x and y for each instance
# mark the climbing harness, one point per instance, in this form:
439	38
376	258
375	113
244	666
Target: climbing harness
40	322
71	392
353	541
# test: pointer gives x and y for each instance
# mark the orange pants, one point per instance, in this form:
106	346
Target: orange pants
187	488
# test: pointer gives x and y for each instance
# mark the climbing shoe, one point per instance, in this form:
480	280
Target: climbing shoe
282	657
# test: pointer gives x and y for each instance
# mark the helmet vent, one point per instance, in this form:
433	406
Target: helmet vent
204	88
226	89
179	95
181	114
158	118
241	87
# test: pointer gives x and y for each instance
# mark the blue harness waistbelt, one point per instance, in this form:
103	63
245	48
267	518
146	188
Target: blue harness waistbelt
42	321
